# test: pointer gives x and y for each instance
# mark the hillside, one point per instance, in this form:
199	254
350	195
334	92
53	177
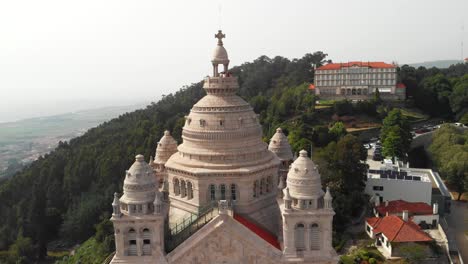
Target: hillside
441	64
63	194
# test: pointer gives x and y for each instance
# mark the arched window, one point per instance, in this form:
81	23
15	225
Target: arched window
233	192
255	189
223	192
212	192
268	184
262	186
189	190
146	235
132	246
314	237
183	189
176	186
299	237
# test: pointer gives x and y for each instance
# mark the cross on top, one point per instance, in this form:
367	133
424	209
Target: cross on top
220	37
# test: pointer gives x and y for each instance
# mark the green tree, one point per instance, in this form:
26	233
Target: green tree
342	167
338	130
459	97
22	250
396	135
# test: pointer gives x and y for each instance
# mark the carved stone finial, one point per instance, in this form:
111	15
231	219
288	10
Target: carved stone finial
220	37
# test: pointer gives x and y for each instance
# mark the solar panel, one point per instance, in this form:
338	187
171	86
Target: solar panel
383	176
416	178
409	178
392	176
400	177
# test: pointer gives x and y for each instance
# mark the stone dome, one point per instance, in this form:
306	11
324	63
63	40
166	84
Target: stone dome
280	146
221	131
139	184
165	148
220	55
303	179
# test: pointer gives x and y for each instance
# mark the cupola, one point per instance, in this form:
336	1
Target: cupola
165	148
280	146
303	179
139	188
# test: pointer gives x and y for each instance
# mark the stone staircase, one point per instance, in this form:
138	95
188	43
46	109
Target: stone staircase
179	232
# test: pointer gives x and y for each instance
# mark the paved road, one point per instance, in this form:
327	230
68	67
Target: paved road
458	222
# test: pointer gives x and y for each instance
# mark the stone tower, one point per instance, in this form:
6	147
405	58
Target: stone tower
307	214
280	146
222	156
138	217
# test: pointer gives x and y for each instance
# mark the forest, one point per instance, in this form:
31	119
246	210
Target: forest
64	197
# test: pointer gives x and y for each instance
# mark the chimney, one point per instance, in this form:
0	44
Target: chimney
435	208
386	203
405	215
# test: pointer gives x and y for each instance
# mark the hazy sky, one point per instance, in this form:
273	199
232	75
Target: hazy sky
58	56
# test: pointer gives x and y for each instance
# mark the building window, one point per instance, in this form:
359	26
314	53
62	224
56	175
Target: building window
212	192
314	237
299	237
255	189
268	184
223	192
132	247
146	235
221	122
189	190
377	188
202	123
183	189
262	186
233	192
176	186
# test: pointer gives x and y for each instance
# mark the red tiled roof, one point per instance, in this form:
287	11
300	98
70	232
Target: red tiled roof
265	235
400	85
373	64
397	230
398	206
311	86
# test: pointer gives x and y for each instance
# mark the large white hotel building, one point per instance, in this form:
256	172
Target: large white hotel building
358	81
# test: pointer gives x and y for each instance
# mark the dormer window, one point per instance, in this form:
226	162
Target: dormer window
221	122
202	122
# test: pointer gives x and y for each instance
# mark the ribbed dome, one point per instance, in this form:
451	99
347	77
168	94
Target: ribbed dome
139	184
166	147
280	146
303	178
221	132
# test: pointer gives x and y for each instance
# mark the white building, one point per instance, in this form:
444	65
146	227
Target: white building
218	199
396	183
358	80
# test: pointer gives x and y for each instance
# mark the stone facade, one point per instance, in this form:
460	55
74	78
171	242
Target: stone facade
222	160
358	81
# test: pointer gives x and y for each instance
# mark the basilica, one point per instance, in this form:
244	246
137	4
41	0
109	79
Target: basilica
223	195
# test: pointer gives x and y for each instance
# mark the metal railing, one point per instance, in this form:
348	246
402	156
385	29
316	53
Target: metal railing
179	232
109	258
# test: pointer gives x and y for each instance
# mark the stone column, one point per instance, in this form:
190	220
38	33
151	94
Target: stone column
139	241
119	242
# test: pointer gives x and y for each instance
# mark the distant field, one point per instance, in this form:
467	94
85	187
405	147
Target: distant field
24	141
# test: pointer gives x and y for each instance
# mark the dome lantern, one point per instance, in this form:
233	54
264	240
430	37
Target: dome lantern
220	55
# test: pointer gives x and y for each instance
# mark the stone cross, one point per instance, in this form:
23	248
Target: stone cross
220	37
